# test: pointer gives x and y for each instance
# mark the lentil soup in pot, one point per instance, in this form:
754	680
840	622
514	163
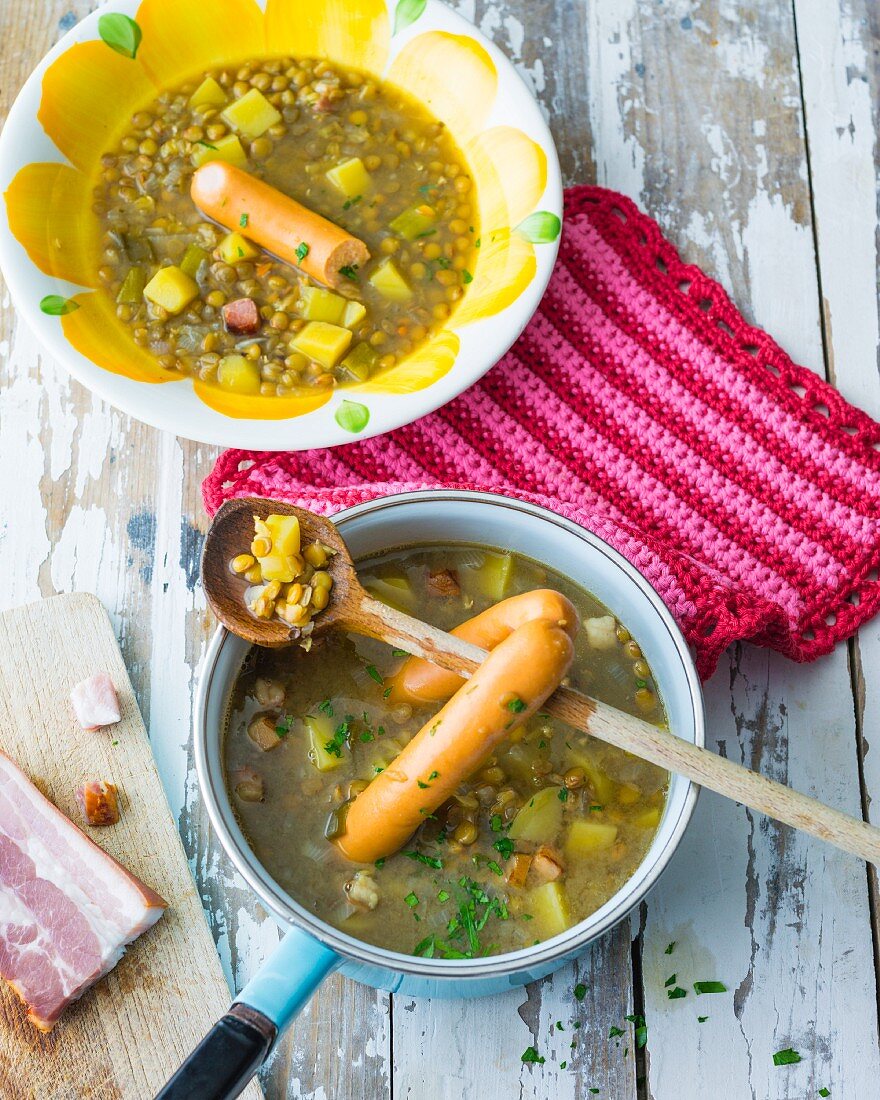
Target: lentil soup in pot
209	303
542	835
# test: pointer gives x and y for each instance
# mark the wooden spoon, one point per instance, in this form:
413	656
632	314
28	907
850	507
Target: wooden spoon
352	608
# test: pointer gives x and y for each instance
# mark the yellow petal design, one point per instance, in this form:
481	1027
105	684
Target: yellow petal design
505	267
95	331
350	32
49	211
452	75
510	171
89	94
241	407
423	368
182	37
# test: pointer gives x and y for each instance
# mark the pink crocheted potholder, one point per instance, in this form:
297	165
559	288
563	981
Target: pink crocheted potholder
640	403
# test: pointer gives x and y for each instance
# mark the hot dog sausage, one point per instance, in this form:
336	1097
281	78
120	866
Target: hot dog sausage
276	222
511	684
419	681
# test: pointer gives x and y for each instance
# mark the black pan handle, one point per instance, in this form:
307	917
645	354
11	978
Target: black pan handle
226	1059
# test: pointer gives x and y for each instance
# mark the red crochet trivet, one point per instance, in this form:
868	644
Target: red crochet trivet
641	404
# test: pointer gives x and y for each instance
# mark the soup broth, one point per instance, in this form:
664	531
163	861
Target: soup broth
548	829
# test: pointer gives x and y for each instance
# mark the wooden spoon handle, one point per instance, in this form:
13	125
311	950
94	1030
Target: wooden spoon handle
634	735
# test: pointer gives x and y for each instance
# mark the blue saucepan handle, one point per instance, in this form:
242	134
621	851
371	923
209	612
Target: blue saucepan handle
237	1045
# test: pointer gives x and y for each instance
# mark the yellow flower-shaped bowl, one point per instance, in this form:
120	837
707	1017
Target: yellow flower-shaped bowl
79	101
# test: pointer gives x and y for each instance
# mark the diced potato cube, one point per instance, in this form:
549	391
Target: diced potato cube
417	221
227	148
540	819
601	632
492	578
587	837
320	731
355	312
350	177
171	289
548	904
390	283
234	248
252	115
317	304
360	362
324	343
192	260
208	94
284	532
239	375
399	596
628	794
278	567
647	819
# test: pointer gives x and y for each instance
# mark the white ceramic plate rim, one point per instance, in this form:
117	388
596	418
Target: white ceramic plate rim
173	406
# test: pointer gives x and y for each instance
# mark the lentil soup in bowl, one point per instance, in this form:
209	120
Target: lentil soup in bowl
277	225
547	846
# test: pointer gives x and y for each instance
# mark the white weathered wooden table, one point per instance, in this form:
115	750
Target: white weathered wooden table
749	129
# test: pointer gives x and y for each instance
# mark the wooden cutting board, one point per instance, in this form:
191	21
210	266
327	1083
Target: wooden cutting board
128	1034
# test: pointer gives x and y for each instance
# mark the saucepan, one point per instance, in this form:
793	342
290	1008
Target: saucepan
312	949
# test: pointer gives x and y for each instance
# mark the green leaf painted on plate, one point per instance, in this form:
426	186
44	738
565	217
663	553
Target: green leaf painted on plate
121	33
542	227
408	11
56	306
352	416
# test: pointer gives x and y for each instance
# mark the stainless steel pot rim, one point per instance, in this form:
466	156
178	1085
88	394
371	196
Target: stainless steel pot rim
290	912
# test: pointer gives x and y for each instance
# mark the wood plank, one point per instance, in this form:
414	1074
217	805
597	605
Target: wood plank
46	648
749	903
840	73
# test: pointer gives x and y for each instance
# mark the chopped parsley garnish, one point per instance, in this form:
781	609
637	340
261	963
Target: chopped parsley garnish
443	895
241	251
386	693
399	653
466	277
504	847
641	1029
301	252
530	1055
562	794
495	823
478	242
599	809
710	987
787	1057
425	947
375	674
326	707
614	1032
366	736
824	1091
563	1065
423	786
427	233
670	948
429	861
516	705
542	744
347	206
433	775
595	1092
243	220
443	262
676	994
580	991
206	144
340	737
411	900
559	1026
282	726
381	861
349	271
114	742
494	866
671	980
426	187
702	1019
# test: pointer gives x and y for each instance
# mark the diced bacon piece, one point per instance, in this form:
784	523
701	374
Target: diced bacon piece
263	731
67	909
546	864
241	317
95	703
518	869
98	801
443	582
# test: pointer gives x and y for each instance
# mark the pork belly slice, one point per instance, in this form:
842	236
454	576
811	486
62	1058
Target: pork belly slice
67	909
95	703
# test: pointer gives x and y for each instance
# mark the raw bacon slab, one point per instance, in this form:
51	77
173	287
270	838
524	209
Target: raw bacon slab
95	702
67	909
